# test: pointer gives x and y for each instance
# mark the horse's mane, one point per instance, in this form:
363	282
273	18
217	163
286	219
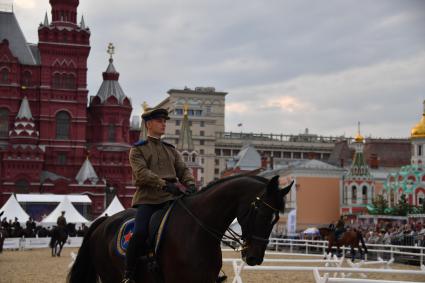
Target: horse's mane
219	181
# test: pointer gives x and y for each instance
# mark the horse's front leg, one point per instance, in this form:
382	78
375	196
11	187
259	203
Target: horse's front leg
54	249
60	248
353	254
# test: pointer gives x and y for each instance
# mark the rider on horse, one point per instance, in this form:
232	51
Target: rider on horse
340	227
156	167
61	222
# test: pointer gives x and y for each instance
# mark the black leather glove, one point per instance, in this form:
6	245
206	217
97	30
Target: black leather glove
172	189
190	190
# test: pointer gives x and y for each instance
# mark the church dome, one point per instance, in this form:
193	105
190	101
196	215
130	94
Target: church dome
419	130
359	138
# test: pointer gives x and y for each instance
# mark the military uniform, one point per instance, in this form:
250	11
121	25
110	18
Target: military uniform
153	162
61	222
156	166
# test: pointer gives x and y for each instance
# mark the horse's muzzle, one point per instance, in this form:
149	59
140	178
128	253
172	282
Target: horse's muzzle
252	260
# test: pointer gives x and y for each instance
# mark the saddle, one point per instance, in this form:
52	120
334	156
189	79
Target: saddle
339	233
157	224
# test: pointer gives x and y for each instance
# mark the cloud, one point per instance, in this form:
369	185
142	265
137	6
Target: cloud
330	102
287	65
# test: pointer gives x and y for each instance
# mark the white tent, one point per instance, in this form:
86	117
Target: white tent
13	209
114	207
71	214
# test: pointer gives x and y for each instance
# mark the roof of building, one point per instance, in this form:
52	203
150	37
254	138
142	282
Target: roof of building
197	90
52	198
390	152
24	110
10	30
302	165
110	85
87	172
341	154
248	158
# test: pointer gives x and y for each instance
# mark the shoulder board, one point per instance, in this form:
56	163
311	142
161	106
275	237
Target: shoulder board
141	142
168	144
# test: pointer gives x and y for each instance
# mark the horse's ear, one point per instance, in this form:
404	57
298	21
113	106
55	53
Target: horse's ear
273	184
286	189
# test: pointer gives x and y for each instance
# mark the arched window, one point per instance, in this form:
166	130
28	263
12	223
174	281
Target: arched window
62	125
354	194
26	78
364	194
22	186
56	83
4	76
69	81
111	133
4	122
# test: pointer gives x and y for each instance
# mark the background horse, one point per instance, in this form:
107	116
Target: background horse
351	238
190	249
58	239
2	237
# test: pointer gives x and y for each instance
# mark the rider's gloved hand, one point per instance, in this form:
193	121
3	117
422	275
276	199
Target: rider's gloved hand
190	190
172	189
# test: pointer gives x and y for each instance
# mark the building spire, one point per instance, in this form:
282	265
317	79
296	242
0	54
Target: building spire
185	139
24	110
359	138
82	23
111	51
46	20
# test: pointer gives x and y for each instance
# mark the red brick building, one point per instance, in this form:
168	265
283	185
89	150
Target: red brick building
54	138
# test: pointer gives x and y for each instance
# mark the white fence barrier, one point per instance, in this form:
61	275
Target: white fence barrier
37	243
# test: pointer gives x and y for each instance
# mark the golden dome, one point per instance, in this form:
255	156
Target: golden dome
419	130
359	138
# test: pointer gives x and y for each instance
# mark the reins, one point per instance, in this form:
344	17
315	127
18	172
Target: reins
234	236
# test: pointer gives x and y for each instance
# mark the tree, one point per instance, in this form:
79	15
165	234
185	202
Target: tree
403	207
379	204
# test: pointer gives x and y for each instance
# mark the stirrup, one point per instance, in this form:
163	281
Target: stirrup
128	280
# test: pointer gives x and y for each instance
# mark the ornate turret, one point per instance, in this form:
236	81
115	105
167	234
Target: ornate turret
358	182
418	131
24	131
110	86
418	141
87	174
64	12
110	109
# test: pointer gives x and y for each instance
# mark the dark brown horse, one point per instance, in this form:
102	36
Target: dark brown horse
190	249
351	238
57	240
2	237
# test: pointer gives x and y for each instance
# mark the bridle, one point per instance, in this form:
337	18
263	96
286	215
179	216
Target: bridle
256	208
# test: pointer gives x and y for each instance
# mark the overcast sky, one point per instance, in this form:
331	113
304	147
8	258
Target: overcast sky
287	65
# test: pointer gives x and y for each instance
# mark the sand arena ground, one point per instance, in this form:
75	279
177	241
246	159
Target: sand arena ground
38	266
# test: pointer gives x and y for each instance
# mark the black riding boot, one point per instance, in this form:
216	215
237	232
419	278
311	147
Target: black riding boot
131	261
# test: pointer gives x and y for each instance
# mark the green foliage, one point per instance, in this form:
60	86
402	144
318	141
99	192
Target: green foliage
379	205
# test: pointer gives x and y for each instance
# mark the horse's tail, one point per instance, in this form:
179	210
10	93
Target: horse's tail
83	271
362	241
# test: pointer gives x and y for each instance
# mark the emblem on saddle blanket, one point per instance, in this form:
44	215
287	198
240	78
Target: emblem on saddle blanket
127	229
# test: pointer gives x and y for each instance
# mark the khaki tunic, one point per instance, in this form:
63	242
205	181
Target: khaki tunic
61	221
153	162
